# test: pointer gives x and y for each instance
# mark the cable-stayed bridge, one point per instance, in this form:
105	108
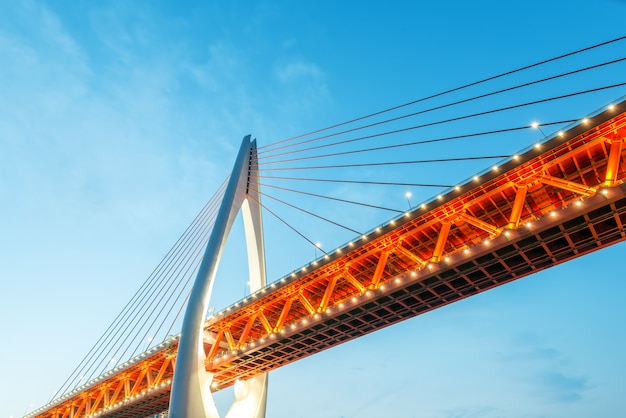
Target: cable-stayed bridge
559	199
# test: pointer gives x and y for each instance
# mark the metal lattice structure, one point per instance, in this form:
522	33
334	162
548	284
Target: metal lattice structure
554	202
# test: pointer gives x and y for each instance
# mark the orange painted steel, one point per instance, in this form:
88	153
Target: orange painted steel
570	167
555	202
145	385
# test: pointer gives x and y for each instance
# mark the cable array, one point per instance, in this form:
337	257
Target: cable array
147	319
449	91
344	148
469	129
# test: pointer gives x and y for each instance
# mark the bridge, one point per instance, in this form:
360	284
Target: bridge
562	198
554	202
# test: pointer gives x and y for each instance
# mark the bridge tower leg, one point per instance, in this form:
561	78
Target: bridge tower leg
191	387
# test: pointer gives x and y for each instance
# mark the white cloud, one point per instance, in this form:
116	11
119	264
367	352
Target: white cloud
298	70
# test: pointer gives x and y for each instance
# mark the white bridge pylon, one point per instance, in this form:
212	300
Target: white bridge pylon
191	387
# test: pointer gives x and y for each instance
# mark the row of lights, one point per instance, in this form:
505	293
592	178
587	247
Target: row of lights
304	322
132	398
125	401
368	293
315	317
283	280
106	375
335	309
380	228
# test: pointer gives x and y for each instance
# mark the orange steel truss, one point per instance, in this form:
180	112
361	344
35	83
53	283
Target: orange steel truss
144	383
559	200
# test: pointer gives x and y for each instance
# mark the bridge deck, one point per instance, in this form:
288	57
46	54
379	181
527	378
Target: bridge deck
553	203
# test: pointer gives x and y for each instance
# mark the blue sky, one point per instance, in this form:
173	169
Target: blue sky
118	120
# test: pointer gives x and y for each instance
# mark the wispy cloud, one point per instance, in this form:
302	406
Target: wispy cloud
302	85
547	370
560	387
476	412
297	71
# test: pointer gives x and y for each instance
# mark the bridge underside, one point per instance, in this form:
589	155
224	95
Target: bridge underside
543	244
557	201
576	231
560	200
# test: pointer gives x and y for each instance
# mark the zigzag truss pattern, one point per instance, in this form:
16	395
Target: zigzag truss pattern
559	200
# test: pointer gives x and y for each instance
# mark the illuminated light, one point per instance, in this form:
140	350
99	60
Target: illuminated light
354	299
494	168
447	259
293	326
328	310
552	213
262	340
534	125
378	229
537	145
397	280
585	120
303	268
316	316
407	214
273	285
486	242
392	222
364	236
604	192
439	197
272	335
578	203
338	250
293	274
515	157
318	244
611	107
326	257
457	188
351	244
214	385
382	287
430	266
528	224
407	194
561	133
315	263
507	233
475	178
466	251
341	305
413	273
368	293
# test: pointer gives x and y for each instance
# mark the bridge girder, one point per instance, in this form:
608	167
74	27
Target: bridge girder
534	199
